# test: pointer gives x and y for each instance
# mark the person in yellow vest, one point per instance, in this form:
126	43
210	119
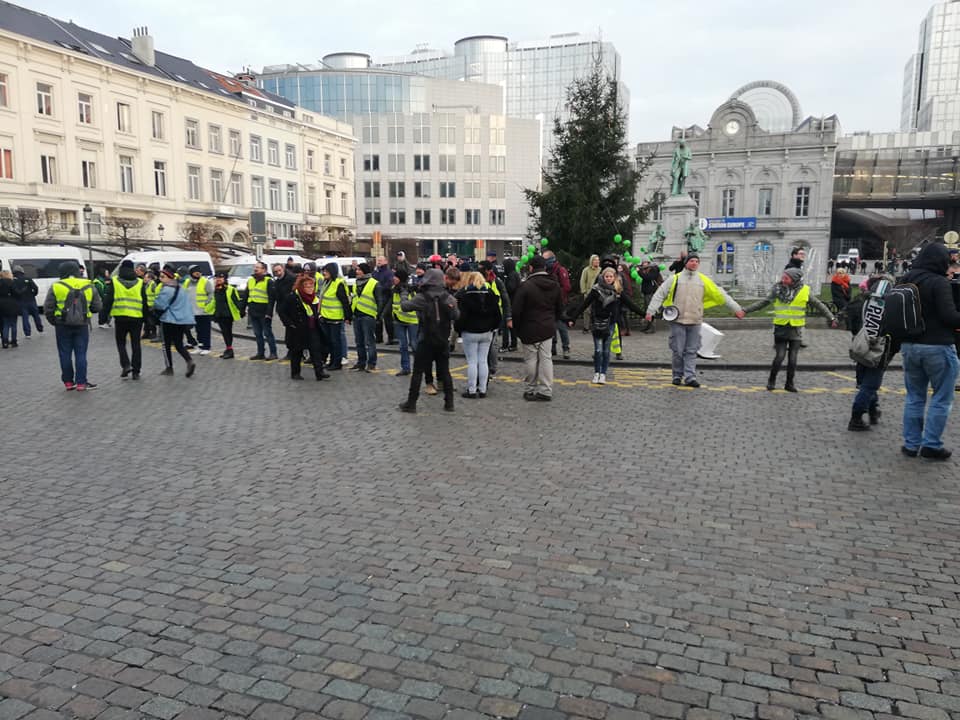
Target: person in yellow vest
304	331
258	303
790	298
152	281
405	325
367	302
200	289
335	310
224	306
72	323
690	292
126	301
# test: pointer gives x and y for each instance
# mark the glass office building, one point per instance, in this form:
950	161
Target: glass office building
931	88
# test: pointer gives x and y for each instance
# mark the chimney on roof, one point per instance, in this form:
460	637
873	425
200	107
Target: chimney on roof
142	46
246	77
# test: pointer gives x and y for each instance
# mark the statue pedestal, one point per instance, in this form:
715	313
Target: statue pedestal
678	212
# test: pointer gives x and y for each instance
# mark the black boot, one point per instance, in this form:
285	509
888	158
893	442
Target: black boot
789	386
856	423
874	414
772	380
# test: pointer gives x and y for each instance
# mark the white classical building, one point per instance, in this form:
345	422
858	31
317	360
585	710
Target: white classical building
88	120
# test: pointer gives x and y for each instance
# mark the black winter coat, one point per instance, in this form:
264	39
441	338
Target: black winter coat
536	308
8	299
940	316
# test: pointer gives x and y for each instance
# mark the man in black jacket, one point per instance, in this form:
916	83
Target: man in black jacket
537	308
930	360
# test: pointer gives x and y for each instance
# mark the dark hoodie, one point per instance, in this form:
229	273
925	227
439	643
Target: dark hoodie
511	278
940	316
128	276
537	307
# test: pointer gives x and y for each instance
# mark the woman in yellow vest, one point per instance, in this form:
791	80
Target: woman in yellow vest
405	324
223	304
301	314
126	302
790	297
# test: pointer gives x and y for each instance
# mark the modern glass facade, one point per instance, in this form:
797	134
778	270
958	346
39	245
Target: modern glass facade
348	93
931	93
896	173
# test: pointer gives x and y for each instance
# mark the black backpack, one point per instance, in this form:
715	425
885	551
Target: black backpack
435	322
74	313
902	314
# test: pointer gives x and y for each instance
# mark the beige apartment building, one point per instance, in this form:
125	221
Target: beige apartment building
148	140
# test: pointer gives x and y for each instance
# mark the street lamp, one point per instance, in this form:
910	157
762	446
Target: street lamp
87	212
160	232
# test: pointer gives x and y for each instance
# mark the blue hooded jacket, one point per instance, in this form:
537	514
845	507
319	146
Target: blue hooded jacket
175	312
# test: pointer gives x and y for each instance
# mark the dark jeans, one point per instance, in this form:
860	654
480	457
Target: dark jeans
149	327
173	336
601	351
203	323
364	330
103	317
263	332
333	329
123	326
385	321
407	335
9	329
869	381
72	341
313	340
782	348
427	353
28	309
226	329
564	333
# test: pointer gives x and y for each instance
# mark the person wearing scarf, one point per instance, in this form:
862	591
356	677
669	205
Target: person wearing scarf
301	317
840	289
605	300
790	296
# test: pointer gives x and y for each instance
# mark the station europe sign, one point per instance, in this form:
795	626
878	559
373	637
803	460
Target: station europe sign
728	223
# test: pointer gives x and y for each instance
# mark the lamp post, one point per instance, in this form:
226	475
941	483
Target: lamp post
160	229
87	212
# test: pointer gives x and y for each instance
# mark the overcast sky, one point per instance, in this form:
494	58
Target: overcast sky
681	58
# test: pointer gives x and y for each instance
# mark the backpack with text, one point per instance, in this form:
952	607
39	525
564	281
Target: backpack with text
74	313
902	314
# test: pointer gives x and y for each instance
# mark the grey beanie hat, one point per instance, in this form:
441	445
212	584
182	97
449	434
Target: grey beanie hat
795	274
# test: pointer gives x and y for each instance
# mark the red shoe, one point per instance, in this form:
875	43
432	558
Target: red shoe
68	386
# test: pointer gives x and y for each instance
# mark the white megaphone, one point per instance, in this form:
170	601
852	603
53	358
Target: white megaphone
710	337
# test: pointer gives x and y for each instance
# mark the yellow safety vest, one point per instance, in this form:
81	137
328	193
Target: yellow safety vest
233	300
330	306
407	318
61	289
257	291
712	295
202	297
496	291
127	302
153	290
792	313
366	302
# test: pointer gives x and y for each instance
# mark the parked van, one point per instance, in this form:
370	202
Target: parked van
241	267
40	263
177	258
345	263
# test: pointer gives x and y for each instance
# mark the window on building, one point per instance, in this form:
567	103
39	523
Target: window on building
256	148
471	216
421	189
765	202
448	189
273	152
398	216
498	163
448	163
421	163
497	136
396	163
291	197
448	216
236	189
395	134
657	213
6	164
371	163
311	200
498	217
370	135
328	199
327	164
371	189
311	160
471	190
4	90
48	169
216	138
124	120
193	183
158	128
421	129
471	135
45	99
695	196
498	189
472	163
729	203
372	216
343	167
256	192
88	174
236	143
85	108
126	174
275	195
290	155
421	217
802	208
193	134
216	186
344	204
725	258
159	178
398	189
446	130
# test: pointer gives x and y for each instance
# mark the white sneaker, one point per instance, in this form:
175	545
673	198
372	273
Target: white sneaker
596	378
602	378
204	352
192	350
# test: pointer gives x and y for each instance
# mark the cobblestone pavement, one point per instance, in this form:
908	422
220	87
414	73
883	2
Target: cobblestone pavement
240	545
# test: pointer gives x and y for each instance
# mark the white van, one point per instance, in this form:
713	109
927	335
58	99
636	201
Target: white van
345	263
40	263
177	258
239	268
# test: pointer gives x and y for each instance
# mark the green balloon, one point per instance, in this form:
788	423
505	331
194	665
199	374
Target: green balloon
663	267
626	243
628	257
618	238
635	275
545	242
643	250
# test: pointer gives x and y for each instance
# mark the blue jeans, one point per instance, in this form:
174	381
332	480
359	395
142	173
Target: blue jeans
203	324
9	329
475	347
601	352
263	330
927	365
72	341
407	335
29	309
335	333
564	333
364	331
869	381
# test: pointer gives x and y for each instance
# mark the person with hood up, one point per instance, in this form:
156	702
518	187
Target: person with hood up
9	309
930	360
199	289
224	306
605	300
436	311
175	308
790	297
73	339
301	318
537	308
26	291
335	311
126	302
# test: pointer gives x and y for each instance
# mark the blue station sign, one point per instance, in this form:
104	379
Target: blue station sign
728	224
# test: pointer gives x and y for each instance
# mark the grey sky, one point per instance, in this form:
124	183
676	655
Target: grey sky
681	58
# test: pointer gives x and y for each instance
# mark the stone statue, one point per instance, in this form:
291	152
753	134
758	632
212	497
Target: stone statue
680	167
696	238
655	241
